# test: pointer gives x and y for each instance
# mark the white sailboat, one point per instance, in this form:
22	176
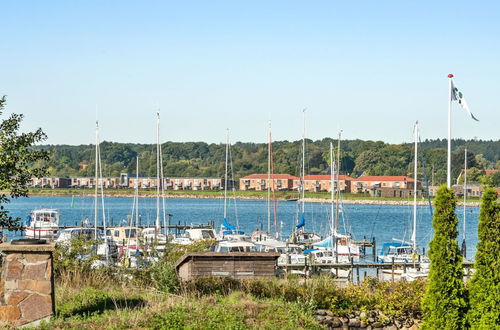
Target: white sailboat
300	235
337	247
107	248
408	252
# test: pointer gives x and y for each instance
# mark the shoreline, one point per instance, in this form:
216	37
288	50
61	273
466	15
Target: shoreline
257	198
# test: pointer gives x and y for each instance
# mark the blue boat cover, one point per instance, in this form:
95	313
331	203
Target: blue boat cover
302	221
227	225
233	232
310	250
385	246
327	242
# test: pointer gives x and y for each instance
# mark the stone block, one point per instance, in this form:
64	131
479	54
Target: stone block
13	256
14	270
9	313
34	272
43	287
48	271
16	297
10	285
36	257
35	307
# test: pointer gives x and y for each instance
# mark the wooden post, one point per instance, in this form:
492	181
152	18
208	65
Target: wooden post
352	270
392	270
357	273
374	247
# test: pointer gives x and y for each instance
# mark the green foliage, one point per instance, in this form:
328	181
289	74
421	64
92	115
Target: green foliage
16	162
202	159
162	274
445	303
236	311
91	301
495	179
484	293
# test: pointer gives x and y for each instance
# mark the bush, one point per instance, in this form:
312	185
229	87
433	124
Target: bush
445	304
484	312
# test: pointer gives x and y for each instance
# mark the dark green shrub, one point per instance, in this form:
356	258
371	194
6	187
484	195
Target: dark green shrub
484	294
445	305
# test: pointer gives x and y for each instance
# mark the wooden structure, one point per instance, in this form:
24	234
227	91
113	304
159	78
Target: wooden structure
237	265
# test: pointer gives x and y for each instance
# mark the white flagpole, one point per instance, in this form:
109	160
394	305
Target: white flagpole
448	180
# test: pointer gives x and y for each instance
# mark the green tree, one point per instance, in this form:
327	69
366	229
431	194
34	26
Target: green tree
473	175
444	304
484	294
16	162
495	179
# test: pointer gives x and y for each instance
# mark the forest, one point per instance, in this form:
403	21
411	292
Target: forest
358	157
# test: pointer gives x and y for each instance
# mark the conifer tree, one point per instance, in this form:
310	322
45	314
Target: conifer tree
484	293
444	304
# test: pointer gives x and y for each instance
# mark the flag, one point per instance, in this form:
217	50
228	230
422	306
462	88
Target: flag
457	95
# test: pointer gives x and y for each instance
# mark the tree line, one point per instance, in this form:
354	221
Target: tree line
358	157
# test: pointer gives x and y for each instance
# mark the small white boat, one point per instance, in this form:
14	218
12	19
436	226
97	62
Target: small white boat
66	235
235	246
151	235
43	223
192	235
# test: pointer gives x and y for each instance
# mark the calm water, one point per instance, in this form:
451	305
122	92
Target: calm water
381	221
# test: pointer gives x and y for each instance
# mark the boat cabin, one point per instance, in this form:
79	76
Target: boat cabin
120	235
45	216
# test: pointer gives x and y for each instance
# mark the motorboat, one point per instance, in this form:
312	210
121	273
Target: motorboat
43	223
235	246
192	235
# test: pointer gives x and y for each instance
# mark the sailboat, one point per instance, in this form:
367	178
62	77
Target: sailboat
229	231
300	235
336	248
265	237
107	248
400	250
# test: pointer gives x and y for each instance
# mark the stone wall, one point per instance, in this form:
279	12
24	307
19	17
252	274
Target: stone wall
26	283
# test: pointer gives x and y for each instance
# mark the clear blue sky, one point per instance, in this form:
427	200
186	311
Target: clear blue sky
370	68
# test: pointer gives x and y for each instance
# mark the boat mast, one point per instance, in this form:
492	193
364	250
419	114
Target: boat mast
137	192
303	158
414	233
157	224
337	188
102	193
332	184
269	180
225	175
96	200
164	208
464	245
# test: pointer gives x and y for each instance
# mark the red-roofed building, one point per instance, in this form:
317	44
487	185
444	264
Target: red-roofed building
260	182
490	172
323	183
399	185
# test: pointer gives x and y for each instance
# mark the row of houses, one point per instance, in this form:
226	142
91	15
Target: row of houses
124	181
381	186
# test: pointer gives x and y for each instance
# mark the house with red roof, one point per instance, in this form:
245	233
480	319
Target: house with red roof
490	172
384	185
262	181
322	182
